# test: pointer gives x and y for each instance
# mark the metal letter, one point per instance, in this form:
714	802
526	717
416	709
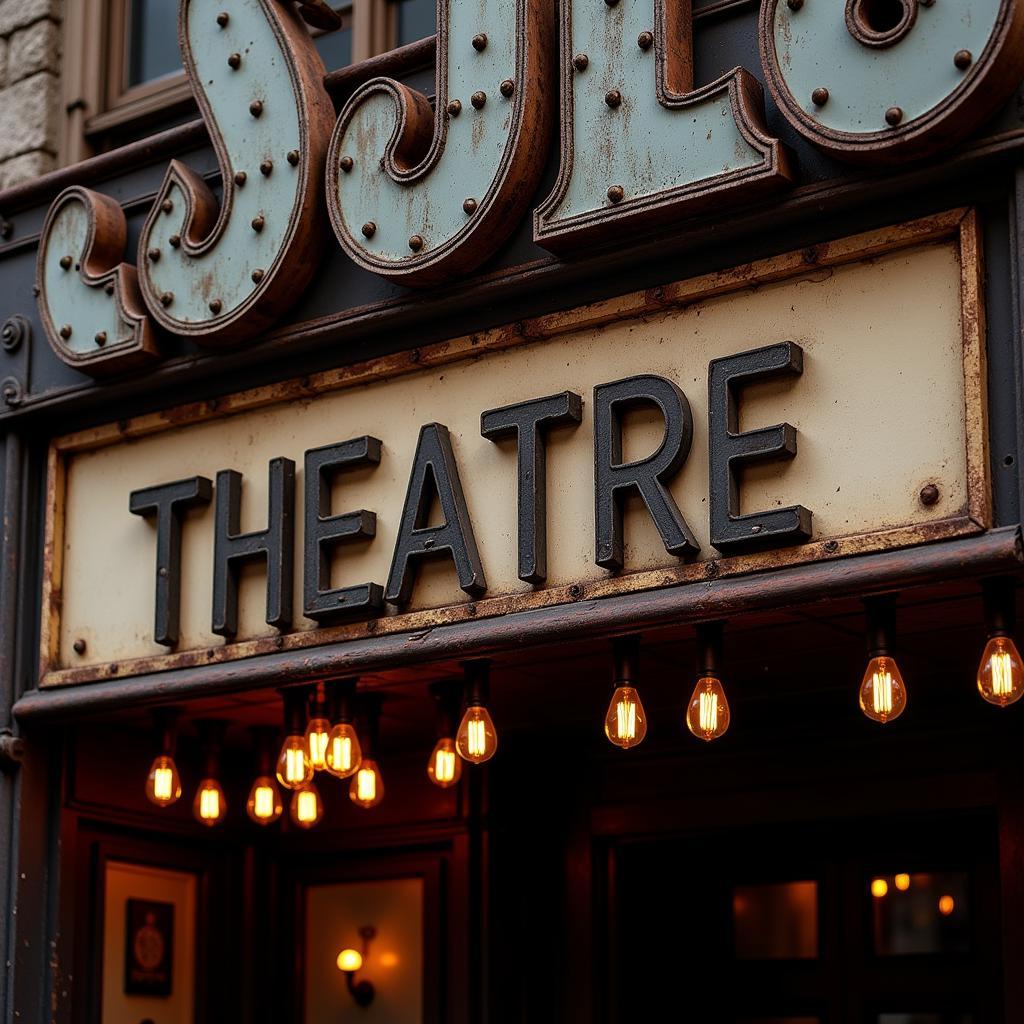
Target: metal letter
420	197
640	145
276	544
613	479
215	271
168	503
324	531
89	300
525	422
728	450
885	82
434	472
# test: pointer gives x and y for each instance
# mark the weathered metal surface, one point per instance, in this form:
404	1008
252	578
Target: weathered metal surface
419	196
220	271
15	360
89	299
857	354
639	144
884	82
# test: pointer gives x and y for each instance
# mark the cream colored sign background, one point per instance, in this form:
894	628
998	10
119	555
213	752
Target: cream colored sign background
880	410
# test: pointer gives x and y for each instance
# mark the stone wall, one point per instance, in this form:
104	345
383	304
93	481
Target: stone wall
30	94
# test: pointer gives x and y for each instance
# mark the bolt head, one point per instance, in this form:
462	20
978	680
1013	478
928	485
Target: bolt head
508	87
416	243
893	116
257	275
109	288
153	254
167	205
235	61
256	108
65	331
581	62
266	167
455	108
174	241
216	306
223	18
478	99
645	40
79	646
101	338
347	164
929	495
65	262
820	96
794	5
293	157
613	98
616	193
469	206
257	223
480	42
240	178
166	298
369	229
963	59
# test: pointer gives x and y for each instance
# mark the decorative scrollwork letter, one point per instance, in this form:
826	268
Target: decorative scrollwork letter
89	301
874	81
215	274
640	145
419	198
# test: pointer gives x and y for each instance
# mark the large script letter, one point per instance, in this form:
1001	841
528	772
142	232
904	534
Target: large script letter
640	145
886	81
419	197
216	274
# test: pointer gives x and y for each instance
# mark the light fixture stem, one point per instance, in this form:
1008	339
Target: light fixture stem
881	626
340	695
294	711
710	645
166	720
211	735
626	655
477	676
1000	596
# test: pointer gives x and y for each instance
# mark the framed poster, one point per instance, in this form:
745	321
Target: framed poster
149	948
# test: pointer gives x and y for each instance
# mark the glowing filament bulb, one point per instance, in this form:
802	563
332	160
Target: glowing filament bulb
445	766
1001	674
883	695
350	961
210	806
264	804
477	739
306	808
293	765
163	786
317	736
343	751
708	715
367	787
625	724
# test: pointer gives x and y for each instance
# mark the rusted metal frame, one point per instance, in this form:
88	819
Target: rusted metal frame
991	553
996	71
402	60
957	225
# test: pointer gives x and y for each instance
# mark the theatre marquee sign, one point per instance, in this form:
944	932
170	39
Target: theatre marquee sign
807	407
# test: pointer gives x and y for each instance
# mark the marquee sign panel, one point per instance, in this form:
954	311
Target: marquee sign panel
811	406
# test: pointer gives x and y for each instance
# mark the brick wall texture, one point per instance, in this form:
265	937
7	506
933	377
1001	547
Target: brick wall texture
30	95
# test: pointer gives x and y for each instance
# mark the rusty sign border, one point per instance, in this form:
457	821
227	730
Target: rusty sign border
961	226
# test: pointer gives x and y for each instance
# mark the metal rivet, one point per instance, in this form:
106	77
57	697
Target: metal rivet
257	275
369	229
455	108
507	88
256	108
893	116
167	205
616	193
613	98
240	177
79	646
611	3
645	40
65	331
416	243
216	306
480	42
223	19
101	338
293	157
963	59
154	255
929	494
166	298
469	205
109	289
65	262
257	223
478	99
346	164
235	61
581	62
266	167
820	96
794	5
174	241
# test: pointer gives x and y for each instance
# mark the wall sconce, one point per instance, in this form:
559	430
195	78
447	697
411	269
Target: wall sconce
351	960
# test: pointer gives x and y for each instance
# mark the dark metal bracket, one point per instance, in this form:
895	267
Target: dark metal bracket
16	350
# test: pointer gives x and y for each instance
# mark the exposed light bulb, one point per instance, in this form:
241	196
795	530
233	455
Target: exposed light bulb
477	739
367	786
317	736
343	751
293	765
625	724
883	695
879	888
350	961
306	808
163	784
708	715
209	806
902	881
1001	673
445	765
264	804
